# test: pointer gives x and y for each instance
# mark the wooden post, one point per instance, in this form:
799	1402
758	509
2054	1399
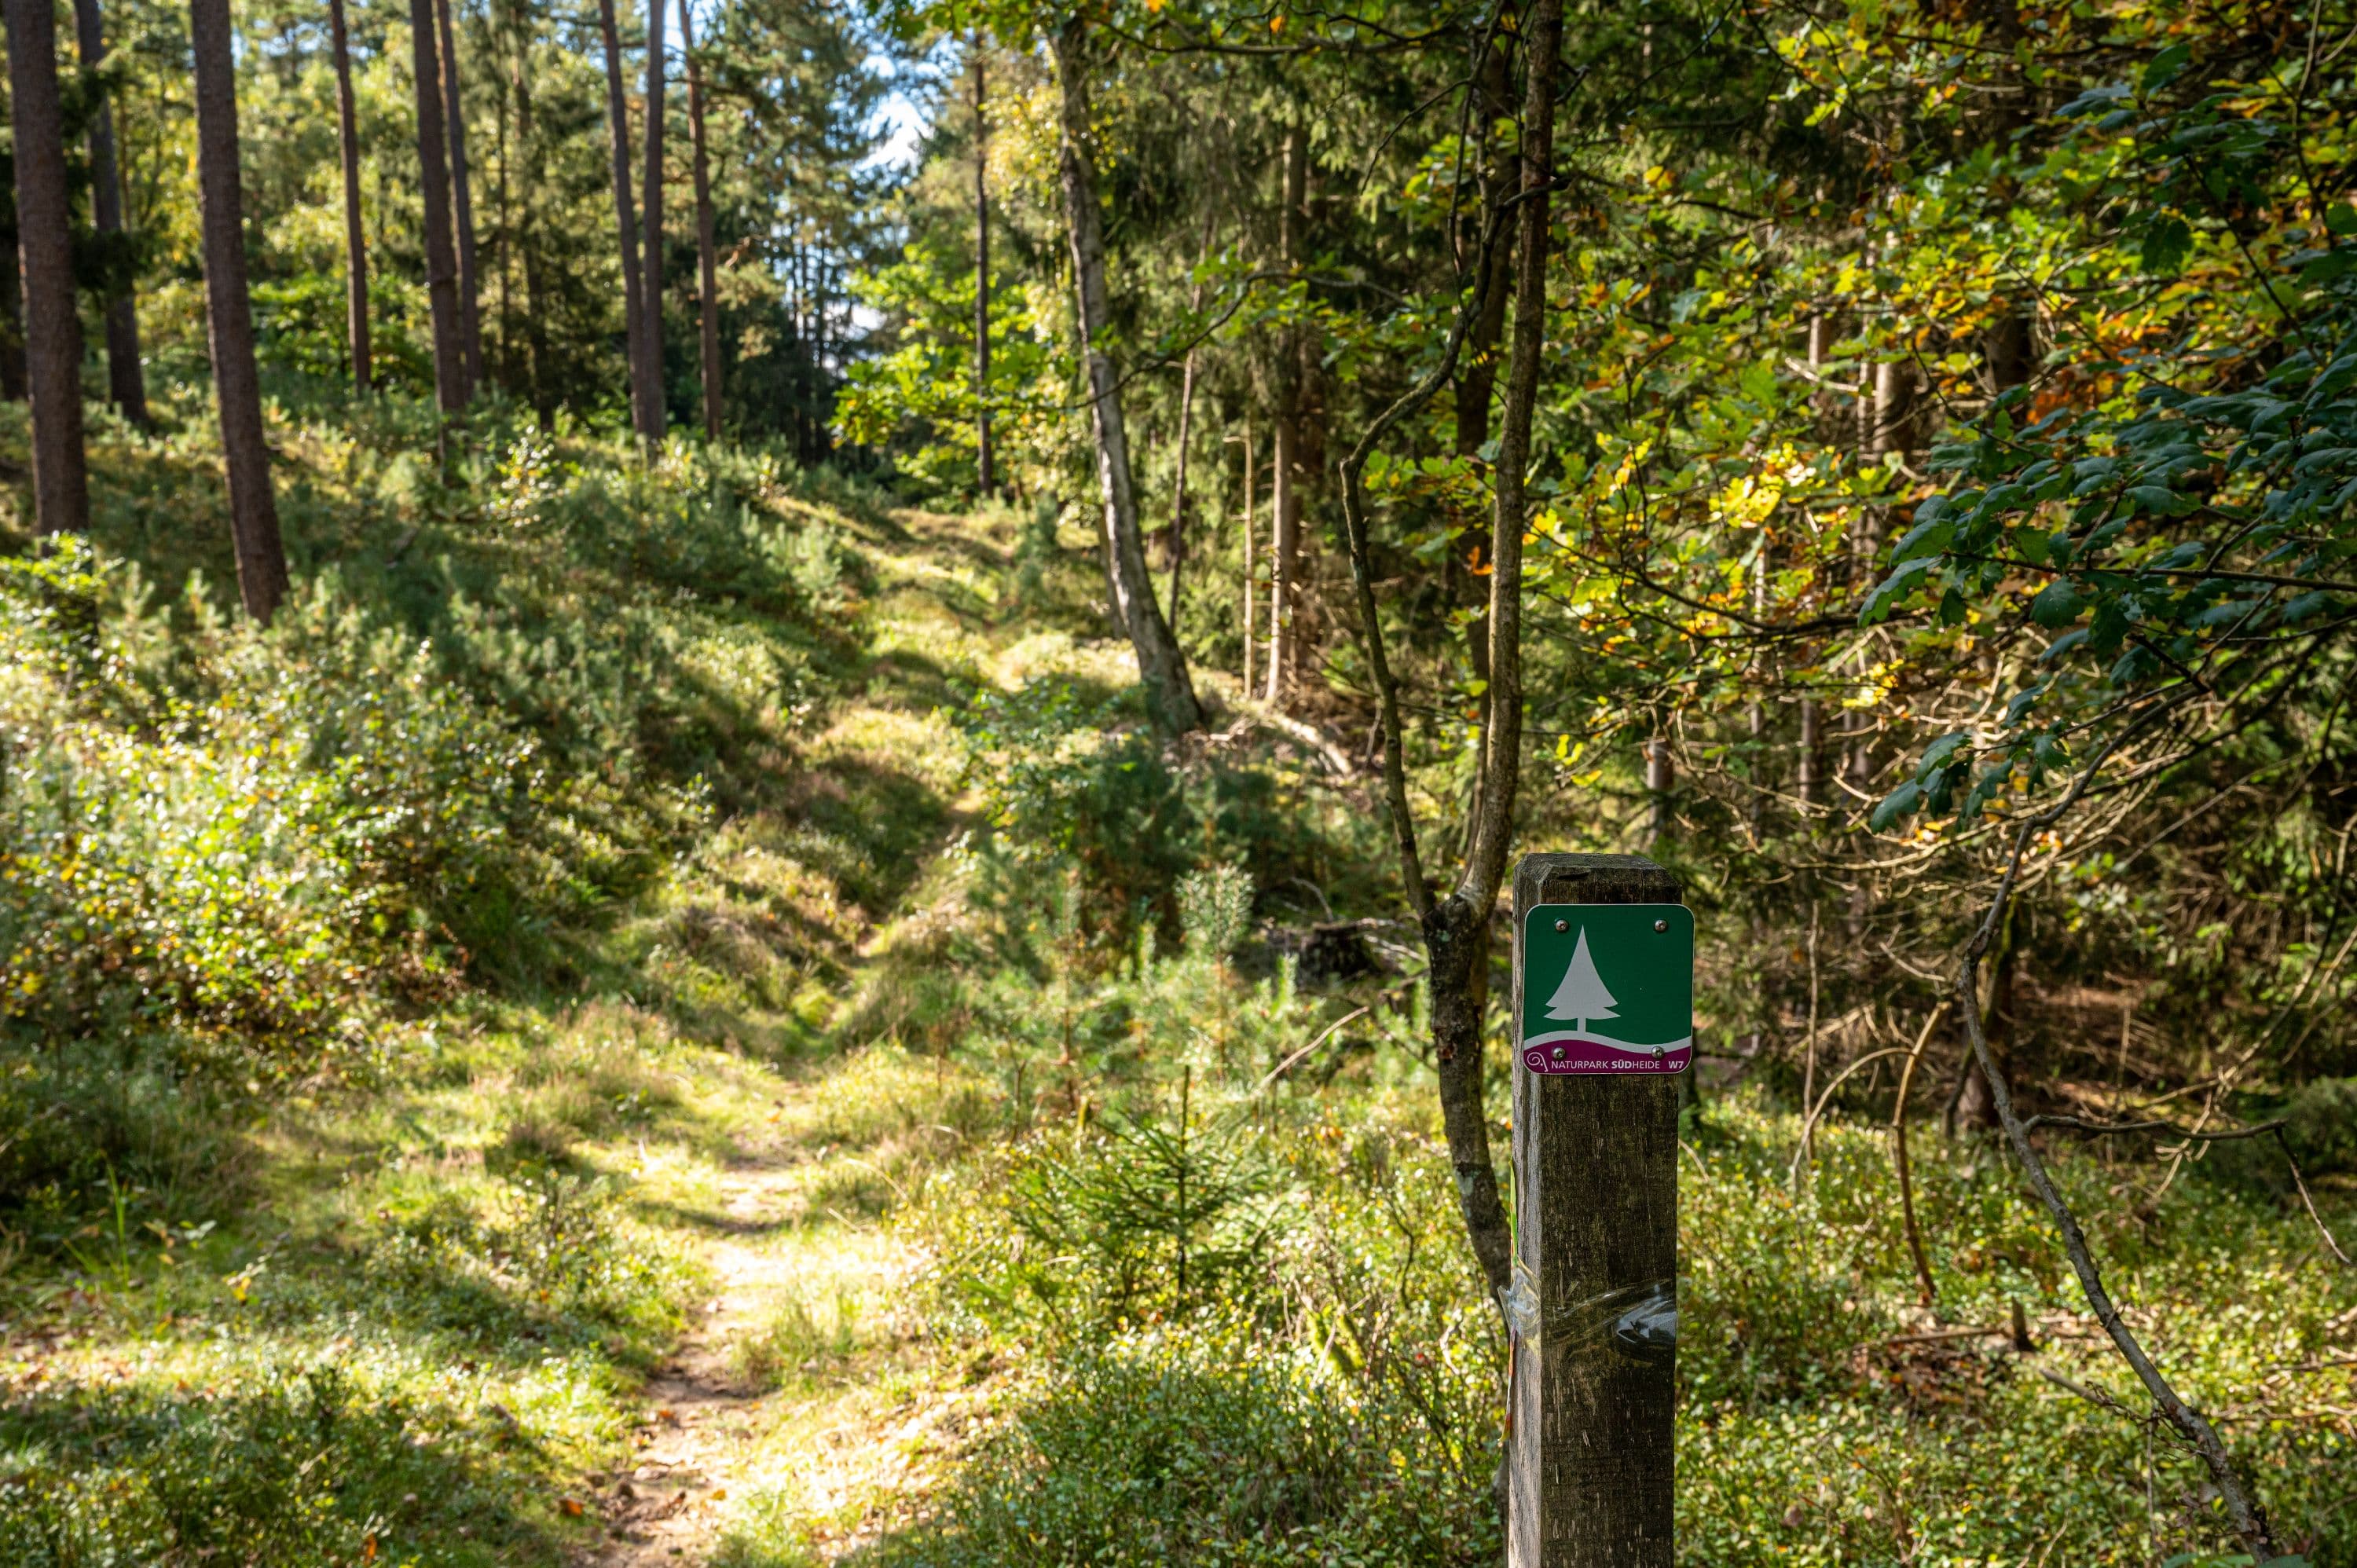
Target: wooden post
1591	1460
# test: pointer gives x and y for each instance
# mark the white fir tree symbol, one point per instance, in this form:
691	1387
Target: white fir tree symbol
1582	996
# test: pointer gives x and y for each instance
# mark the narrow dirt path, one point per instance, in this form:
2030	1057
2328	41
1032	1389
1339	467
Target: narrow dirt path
702	1413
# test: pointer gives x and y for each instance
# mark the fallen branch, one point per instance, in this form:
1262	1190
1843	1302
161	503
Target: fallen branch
1898	1148
2250	1520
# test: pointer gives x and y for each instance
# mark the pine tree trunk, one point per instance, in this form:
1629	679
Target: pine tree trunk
618	122
433	191
127	380
984	480
12	325
650	318
535	330
45	247
706	266
1284	560
356	294
454	122
1161	666
253	508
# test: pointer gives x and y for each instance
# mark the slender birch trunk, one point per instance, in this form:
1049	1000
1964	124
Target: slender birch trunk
1285	558
1161	666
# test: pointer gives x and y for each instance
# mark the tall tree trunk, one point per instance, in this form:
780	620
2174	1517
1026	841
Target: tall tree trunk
617	123
706	266
1186	420
1492	278
651	319
252	507
12	326
126	381
1161	666
1252	589
1457	929
454	117
45	247
984	477
535	329
356	294
1284	560
434	190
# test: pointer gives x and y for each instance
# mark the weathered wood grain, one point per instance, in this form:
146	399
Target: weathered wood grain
1592	1461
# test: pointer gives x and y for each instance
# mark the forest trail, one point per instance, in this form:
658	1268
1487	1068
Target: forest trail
793	1416
699	1411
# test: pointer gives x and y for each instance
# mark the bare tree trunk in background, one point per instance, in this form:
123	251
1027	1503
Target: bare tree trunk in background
45	247
1185	419
984	480
1161	666
1284	560
126	381
1252	589
535	330
1660	777
618	122
706	267
252	507
651	257
1478	381
12	329
348	136
1456	929
434	190
454	118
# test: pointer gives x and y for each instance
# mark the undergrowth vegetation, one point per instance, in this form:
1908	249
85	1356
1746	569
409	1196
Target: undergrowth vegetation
386	998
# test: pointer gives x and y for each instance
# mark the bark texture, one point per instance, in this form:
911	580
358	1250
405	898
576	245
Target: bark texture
454	120
1161	666
1596	1248
229	312
127	380
45	249
650	317
434	190
617	123
356	297
1284	556
984	478
707	297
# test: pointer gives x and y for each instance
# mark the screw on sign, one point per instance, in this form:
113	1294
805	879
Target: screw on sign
1603	1011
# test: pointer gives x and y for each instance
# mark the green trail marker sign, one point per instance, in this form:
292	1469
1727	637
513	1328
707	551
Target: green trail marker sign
1608	988
1603	1011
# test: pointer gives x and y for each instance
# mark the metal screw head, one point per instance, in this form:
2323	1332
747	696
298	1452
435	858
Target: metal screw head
1560	1053
1661	925
1563	925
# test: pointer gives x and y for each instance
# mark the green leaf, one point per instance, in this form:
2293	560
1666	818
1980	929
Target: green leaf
2166	66
1898	803
2058	604
2166	243
1878	603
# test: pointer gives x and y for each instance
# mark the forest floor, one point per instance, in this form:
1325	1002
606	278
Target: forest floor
795	1407
801	1192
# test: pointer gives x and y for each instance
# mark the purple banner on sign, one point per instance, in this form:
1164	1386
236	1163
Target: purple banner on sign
1572	1054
